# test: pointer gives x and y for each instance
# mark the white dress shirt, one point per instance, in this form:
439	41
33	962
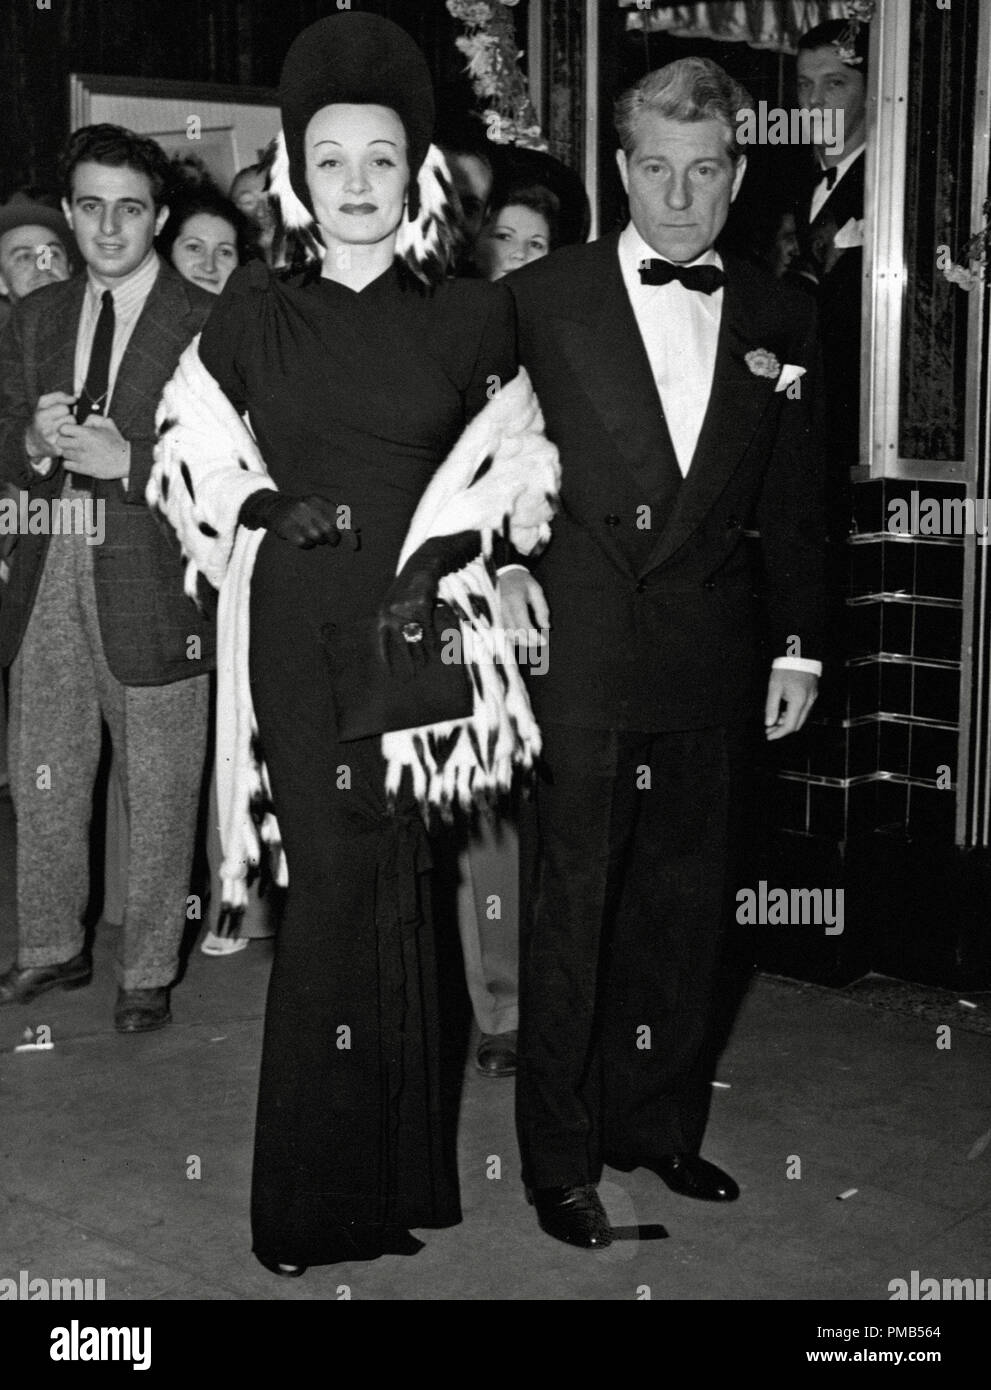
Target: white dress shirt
129	299
680	331
821	193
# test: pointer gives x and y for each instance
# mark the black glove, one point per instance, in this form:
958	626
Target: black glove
302	521
405	622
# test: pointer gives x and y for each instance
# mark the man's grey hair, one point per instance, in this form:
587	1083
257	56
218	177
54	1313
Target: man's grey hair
690	89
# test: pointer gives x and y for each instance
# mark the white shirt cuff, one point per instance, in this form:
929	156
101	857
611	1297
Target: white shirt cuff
514	566
42	466
796	663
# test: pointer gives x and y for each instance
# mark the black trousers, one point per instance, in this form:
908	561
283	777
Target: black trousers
349	1151
630	846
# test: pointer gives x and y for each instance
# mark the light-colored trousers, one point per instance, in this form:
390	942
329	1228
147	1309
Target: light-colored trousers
61	690
259	913
488	921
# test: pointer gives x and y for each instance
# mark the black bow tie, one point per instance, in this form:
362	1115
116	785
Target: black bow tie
830	175
704	278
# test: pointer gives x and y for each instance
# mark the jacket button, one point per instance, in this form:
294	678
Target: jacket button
732	523
641	587
709	584
612	520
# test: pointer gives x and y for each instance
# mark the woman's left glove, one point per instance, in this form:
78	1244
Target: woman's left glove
405	622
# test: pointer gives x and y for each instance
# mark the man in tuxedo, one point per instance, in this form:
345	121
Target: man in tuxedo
832	74
681	390
95	624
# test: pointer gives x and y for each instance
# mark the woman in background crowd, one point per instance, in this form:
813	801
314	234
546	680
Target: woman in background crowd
522	227
206	238
249	194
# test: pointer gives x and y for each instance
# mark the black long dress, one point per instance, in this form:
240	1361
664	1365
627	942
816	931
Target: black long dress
355	396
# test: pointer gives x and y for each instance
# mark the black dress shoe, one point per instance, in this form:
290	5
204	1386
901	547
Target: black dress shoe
692	1176
572	1214
286	1271
141	1010
496	1055
18	986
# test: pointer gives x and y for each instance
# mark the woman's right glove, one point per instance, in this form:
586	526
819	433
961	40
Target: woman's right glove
302	521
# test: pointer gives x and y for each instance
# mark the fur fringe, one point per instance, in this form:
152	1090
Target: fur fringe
470	762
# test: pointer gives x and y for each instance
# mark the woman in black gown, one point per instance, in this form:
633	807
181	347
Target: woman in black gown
357	380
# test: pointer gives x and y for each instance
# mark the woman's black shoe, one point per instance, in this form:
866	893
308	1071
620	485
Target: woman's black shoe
286	1271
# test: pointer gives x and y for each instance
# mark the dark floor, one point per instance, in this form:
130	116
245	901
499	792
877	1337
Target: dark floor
892	1133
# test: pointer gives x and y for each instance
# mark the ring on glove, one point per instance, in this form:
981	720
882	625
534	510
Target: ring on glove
412	632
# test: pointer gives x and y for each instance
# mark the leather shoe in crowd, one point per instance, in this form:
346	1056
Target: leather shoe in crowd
141	1010
19	986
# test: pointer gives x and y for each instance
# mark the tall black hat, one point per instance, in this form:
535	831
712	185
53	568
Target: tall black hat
359	59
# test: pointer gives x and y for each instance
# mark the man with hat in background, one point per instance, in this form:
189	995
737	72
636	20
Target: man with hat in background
34	251
35	244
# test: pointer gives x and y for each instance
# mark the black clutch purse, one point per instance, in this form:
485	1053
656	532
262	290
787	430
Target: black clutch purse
371	699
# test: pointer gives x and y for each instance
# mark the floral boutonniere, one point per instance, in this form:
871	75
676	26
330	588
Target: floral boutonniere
763	363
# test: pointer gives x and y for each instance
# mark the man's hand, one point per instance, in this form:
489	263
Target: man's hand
50	414
96	448
524	608
790	697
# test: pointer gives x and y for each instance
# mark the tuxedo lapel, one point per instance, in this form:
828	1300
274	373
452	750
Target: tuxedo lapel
737	402
846	200
603	346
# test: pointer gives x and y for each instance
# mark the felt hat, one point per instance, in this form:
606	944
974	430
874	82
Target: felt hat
22	211
359	59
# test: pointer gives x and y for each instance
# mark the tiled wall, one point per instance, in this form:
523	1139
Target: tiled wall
881	751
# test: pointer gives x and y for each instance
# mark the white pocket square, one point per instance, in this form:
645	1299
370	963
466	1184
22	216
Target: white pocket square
789	373
851	234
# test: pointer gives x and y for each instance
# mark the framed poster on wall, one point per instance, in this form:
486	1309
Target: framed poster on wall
223	127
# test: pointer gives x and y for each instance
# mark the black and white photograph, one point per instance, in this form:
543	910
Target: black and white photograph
495	638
